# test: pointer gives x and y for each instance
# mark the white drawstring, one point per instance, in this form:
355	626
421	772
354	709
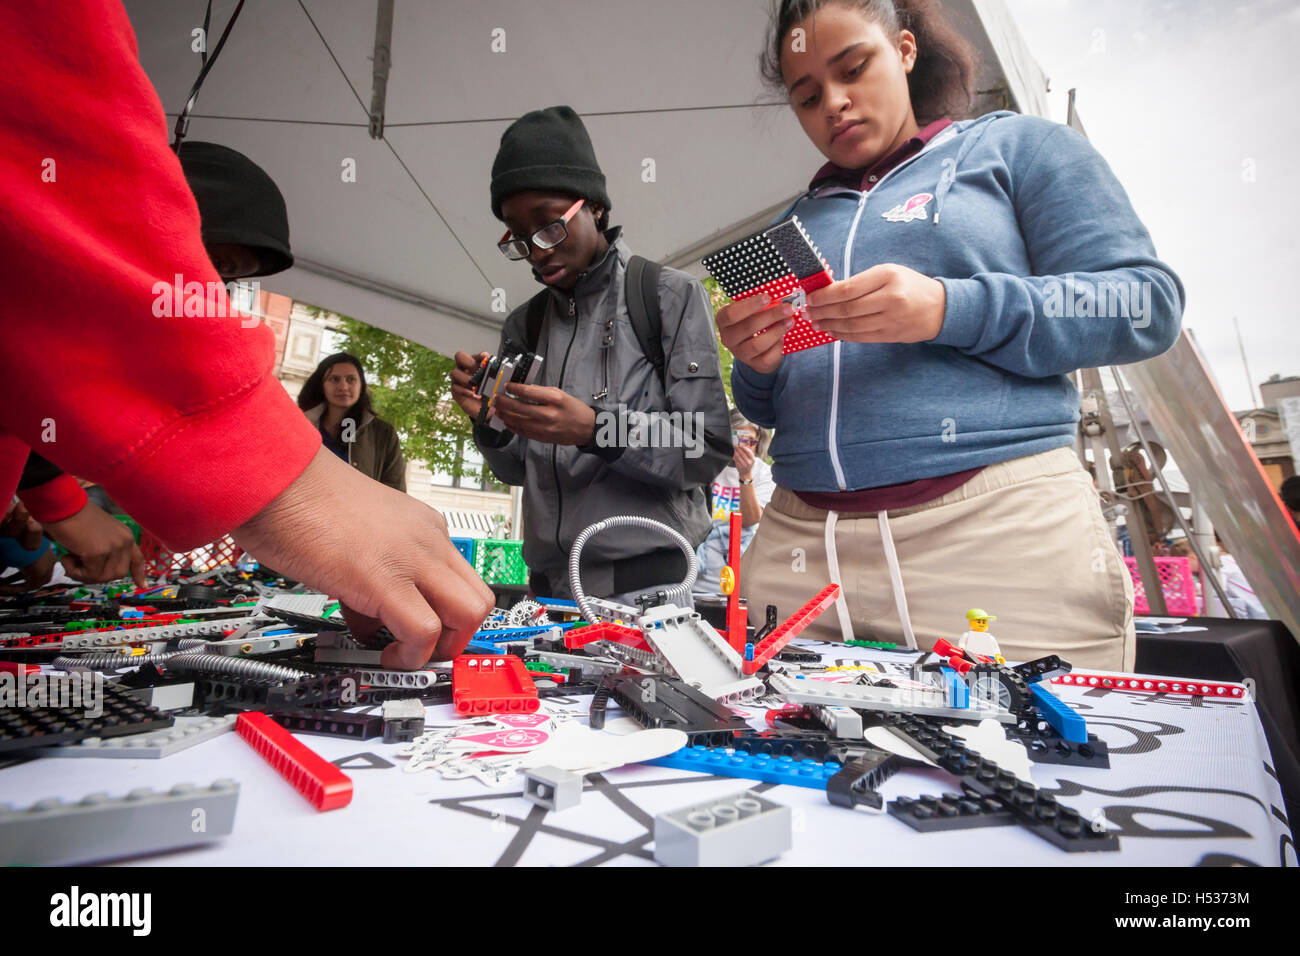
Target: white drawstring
895	579
833	564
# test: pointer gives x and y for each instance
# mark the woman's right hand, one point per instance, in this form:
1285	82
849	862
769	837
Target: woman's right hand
752	331
461	392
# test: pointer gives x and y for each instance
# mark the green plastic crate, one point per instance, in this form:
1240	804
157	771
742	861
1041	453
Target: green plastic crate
500	562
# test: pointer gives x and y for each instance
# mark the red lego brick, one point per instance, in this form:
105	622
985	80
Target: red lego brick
1165	685
792	710
324	785
493	684
771	645
20	670
582	636
736	614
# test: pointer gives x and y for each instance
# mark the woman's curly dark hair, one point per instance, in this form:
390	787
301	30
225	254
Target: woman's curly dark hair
942	80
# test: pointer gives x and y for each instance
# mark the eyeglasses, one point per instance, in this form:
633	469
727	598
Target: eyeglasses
547	237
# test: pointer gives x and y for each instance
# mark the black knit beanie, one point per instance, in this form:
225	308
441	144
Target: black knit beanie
547	150
238	203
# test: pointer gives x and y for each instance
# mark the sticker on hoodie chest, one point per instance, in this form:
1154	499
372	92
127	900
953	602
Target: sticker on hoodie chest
781	262
911	211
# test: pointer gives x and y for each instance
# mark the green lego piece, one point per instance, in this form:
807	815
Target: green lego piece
878	645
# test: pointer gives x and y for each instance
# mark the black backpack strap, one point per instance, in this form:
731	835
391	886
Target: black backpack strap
642	294
533	322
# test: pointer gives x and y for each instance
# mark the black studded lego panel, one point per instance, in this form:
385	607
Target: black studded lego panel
745	265
782	252
118	713
796	247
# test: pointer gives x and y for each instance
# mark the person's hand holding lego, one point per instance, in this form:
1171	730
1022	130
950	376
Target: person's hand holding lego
886	303
752	329
461	391
544	413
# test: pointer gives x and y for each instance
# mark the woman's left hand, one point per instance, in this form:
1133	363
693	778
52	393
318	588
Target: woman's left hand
886	303
546	414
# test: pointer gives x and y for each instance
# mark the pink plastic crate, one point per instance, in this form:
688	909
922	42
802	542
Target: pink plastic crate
1175	580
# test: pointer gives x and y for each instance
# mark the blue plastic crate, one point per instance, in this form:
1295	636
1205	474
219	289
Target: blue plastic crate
466	547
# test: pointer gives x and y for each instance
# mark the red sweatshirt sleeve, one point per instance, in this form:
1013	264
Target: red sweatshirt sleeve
56	499
178	416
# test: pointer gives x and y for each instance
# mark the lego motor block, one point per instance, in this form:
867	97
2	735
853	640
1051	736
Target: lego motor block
742	830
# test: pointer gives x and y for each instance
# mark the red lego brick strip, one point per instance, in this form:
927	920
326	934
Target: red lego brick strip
736	615
324	785
1165	685
35	640
128	624
493	684
819	280
19	670
777	288
605	632
771	645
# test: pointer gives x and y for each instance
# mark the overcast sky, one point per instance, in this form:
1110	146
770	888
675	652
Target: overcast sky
1193	102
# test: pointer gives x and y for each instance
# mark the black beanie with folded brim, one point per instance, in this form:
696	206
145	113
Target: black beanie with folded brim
548	151
238	203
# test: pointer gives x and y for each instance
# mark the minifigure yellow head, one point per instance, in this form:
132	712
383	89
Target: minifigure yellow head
978	619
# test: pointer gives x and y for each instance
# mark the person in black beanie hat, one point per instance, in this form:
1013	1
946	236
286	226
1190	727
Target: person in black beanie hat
567	438
243	219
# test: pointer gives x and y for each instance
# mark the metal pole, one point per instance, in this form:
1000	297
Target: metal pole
1164	485
1138	534
383	61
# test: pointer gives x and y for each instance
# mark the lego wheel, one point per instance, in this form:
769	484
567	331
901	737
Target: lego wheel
988	682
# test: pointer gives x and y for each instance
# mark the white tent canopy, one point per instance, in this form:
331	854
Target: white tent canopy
409	246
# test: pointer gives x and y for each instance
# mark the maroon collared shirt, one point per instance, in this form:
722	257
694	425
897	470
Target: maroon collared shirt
907	493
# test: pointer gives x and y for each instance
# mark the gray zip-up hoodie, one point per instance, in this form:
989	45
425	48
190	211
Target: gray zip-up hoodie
591	351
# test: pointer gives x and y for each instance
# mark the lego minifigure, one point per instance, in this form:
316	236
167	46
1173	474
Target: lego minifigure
978	640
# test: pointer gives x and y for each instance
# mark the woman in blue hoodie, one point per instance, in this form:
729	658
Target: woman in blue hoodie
924	458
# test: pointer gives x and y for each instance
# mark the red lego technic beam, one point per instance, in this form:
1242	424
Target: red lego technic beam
1163	685
771	645
580	637
736	615
324	785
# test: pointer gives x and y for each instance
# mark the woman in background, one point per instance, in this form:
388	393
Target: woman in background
336	400
745	485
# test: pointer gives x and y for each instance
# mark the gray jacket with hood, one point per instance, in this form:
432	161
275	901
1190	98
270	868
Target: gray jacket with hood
591	351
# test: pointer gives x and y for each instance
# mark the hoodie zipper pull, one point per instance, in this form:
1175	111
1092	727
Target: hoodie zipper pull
573	306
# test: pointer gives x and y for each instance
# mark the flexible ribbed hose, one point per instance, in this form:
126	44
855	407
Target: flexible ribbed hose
189	662
110	662
623	521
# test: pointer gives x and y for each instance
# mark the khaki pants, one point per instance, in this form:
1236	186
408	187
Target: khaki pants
1024	540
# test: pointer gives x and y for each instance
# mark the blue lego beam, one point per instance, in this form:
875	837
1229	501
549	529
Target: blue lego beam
1064	720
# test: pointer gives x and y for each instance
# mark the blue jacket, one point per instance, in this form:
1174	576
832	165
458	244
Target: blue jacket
1047	269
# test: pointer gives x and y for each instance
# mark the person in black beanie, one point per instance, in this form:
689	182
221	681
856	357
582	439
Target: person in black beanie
242	215
628	415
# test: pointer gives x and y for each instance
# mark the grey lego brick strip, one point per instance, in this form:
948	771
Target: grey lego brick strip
99	828
185	733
